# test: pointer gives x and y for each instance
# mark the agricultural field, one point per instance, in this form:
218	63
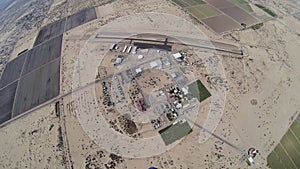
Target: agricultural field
287	152
188	3
202	11
197	8
243	4
220	16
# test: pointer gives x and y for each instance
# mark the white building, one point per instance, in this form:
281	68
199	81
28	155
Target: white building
124	49
129	49
177	55
140	57
134	50
153	64
178	105
185	90
166	63
119	60
138	70
174	75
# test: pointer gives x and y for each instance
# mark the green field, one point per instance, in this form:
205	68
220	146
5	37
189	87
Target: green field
202	11
197	8
195	12
198	90
243	4
287	152
185	3
181	3
175	132
267	10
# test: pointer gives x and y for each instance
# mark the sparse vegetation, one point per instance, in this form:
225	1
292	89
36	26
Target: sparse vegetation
127	124
257	26
60	144
171	116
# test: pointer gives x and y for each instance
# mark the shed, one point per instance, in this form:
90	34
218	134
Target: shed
140	57
153	64
177	55
138	70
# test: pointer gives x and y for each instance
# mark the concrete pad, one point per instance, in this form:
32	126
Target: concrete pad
240	15
221	23
50	31
80	18
37	87
43	54
7	96
13	70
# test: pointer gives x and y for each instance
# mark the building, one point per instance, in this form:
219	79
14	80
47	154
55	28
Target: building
129	49
153	64
134	50
177	55
113	46
138	70
166	63
124	49
140	57
174	75
119	60
156	63
185	90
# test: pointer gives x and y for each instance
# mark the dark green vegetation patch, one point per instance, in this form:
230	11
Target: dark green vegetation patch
269	11
198	90
257	26
287	153
175	132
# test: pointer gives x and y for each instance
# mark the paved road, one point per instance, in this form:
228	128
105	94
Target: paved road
193	42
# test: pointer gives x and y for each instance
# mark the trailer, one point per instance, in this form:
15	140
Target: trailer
129	49
124	50
113	46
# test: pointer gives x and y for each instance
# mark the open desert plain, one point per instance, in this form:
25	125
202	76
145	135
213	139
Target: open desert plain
149	84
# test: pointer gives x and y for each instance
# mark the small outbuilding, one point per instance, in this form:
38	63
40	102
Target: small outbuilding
185	90
138	70
174	75
119	60
153	64
140	57
177	55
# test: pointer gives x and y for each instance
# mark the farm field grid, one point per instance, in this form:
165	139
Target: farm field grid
286	153
220	16
154	84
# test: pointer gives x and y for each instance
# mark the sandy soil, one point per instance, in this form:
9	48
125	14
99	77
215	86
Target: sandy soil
32	142
23	44
261	99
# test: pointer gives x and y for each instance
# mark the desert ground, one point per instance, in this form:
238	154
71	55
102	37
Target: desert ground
259	87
